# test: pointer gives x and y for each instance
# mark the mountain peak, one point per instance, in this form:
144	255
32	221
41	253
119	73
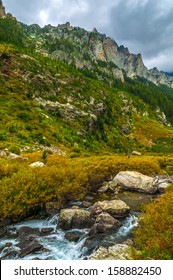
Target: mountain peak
65	25
2	10
123	49
95	30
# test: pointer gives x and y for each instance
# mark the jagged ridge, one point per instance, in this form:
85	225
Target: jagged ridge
86	48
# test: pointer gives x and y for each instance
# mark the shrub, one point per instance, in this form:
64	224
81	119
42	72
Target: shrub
2	136
61	179
154	234
14	149
6	169
32	187
44	156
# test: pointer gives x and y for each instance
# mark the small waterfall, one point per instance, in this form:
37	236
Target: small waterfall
57	247
129	224
52	222
124	232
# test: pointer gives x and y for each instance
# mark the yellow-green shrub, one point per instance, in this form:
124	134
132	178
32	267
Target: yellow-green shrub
32	187
7	169
61	179
154	234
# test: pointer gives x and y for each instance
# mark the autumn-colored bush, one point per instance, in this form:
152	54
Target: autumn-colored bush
7	169
154	234
61	179
32	187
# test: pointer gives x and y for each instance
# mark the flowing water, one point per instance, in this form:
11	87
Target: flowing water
56	246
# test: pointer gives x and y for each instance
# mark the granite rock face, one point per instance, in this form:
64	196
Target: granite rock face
85	49
2	10
93	48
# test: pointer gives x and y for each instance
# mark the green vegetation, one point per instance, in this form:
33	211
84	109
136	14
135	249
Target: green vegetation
153	235
85	114
62	179
11	31
46	102
25	121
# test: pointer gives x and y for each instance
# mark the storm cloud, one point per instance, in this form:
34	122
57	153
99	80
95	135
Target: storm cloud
144	26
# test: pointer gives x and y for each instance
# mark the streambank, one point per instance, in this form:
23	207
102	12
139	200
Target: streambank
101	220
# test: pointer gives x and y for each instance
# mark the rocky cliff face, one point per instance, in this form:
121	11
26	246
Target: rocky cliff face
132	64
92	51
88	50
2	10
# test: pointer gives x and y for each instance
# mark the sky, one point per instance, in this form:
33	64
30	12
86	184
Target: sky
144	26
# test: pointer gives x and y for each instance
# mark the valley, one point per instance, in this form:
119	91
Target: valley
76	110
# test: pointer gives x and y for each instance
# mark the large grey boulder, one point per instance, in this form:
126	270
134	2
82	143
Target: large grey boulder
132	180
117	208
75	218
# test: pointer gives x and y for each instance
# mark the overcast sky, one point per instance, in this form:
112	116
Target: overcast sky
144	26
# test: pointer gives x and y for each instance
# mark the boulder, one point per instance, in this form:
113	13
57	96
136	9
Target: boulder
37	164
116	252
15	156
8	244
86	204
72	236
30	248
163	183
132	180
104	223
46	231
92	243
117	208
3	154
75	218
25	241
135	153
25	231
108	187
162	187
88	198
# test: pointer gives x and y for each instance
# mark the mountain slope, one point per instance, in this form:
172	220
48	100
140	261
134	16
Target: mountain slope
46	102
